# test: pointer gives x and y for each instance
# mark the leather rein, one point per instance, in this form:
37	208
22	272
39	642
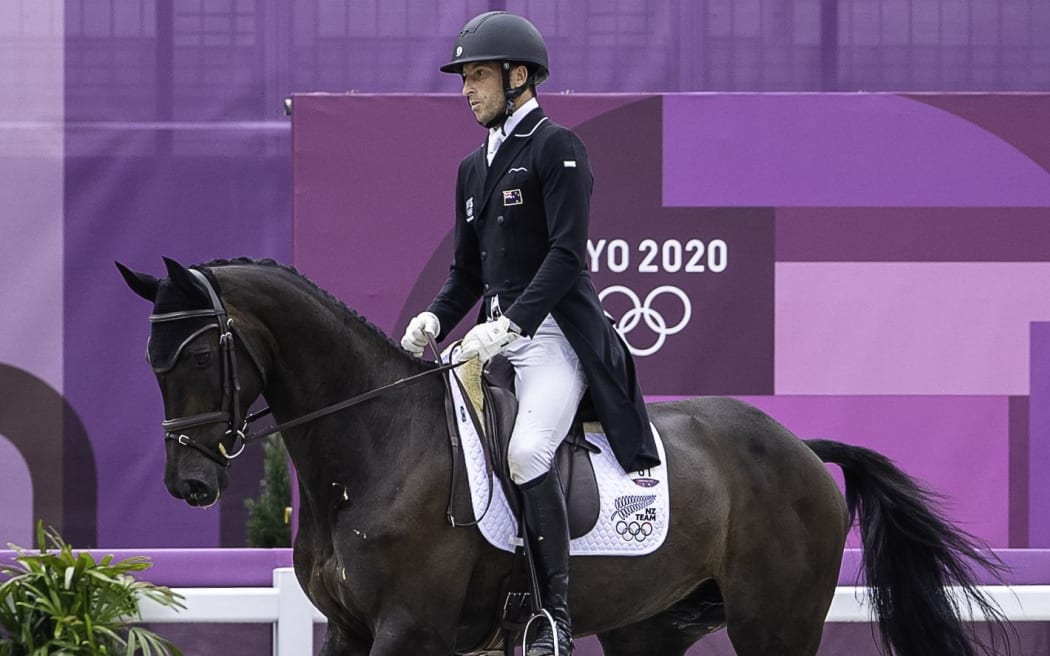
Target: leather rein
230	413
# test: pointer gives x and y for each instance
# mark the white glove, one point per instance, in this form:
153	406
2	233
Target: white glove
488	339
421	325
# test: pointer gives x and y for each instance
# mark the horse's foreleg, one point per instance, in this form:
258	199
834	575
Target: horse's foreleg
408	636
338	642
421	621
412	644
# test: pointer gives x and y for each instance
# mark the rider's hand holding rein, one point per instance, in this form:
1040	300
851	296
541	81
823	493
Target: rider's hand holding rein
421	325
488	339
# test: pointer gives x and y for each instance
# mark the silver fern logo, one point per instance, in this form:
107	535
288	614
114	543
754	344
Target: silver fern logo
631	504
636	516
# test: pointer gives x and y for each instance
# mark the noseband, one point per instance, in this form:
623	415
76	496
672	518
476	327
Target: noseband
230	412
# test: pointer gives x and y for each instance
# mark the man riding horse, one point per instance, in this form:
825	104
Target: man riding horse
522	205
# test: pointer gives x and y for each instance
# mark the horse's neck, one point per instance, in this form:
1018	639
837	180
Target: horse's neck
359	459
334	363
333	359
320	352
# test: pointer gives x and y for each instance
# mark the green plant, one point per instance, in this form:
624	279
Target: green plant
268	513
61	602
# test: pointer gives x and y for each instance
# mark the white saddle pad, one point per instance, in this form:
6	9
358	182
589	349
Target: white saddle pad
634	507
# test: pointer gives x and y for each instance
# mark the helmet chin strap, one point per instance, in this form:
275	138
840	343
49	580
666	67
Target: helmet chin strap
511	94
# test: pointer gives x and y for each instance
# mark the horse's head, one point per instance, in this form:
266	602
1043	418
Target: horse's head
208	377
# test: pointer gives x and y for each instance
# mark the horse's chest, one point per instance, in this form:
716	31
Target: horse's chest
362	556
348	582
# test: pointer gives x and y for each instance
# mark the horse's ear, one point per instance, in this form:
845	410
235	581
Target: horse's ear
181	277
142	284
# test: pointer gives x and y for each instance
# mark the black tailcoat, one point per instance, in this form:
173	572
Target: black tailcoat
521	237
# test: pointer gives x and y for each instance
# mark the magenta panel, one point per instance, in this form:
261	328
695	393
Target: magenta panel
907	327
856	150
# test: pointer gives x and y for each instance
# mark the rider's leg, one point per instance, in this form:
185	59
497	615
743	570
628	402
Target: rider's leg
549	385
548	530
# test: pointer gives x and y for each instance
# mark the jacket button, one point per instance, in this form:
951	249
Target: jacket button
507	281
486	285
499	219
484	254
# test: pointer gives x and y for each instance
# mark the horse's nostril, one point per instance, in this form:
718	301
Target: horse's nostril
194	490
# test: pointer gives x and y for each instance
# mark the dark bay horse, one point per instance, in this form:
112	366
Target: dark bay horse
757	523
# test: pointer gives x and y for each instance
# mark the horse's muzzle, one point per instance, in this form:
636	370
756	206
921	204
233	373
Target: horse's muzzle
195	479
195	492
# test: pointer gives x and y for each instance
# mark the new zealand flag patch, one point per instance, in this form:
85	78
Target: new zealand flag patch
511	197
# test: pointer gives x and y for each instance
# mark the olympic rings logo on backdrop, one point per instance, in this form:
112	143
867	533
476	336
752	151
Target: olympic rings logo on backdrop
644	311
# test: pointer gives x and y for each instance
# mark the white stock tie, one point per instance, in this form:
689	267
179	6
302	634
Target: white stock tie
496	137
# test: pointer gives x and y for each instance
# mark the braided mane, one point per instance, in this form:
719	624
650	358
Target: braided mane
338	308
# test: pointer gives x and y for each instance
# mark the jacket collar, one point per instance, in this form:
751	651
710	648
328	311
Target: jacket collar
515	119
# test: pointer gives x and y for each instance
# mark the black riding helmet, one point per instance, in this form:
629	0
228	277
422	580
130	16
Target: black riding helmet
506	38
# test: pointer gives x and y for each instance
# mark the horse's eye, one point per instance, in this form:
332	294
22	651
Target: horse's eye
202	359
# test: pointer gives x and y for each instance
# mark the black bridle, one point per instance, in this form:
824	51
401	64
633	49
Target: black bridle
230	412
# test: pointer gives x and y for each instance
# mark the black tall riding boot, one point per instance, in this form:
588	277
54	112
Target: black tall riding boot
548	527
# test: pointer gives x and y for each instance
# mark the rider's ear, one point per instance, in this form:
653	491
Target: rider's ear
142	284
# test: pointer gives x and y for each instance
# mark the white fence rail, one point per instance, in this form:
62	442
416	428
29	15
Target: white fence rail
286	607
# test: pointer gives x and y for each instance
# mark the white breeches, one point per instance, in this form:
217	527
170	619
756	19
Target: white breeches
549	384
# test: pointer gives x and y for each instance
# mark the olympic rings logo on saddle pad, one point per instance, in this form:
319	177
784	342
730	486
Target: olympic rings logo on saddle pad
644	311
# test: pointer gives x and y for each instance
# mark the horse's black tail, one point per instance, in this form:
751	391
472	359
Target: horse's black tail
912	555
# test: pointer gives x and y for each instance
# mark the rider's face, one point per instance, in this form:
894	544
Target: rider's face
483	87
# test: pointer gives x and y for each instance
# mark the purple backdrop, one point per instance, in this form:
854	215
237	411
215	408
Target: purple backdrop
139	128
